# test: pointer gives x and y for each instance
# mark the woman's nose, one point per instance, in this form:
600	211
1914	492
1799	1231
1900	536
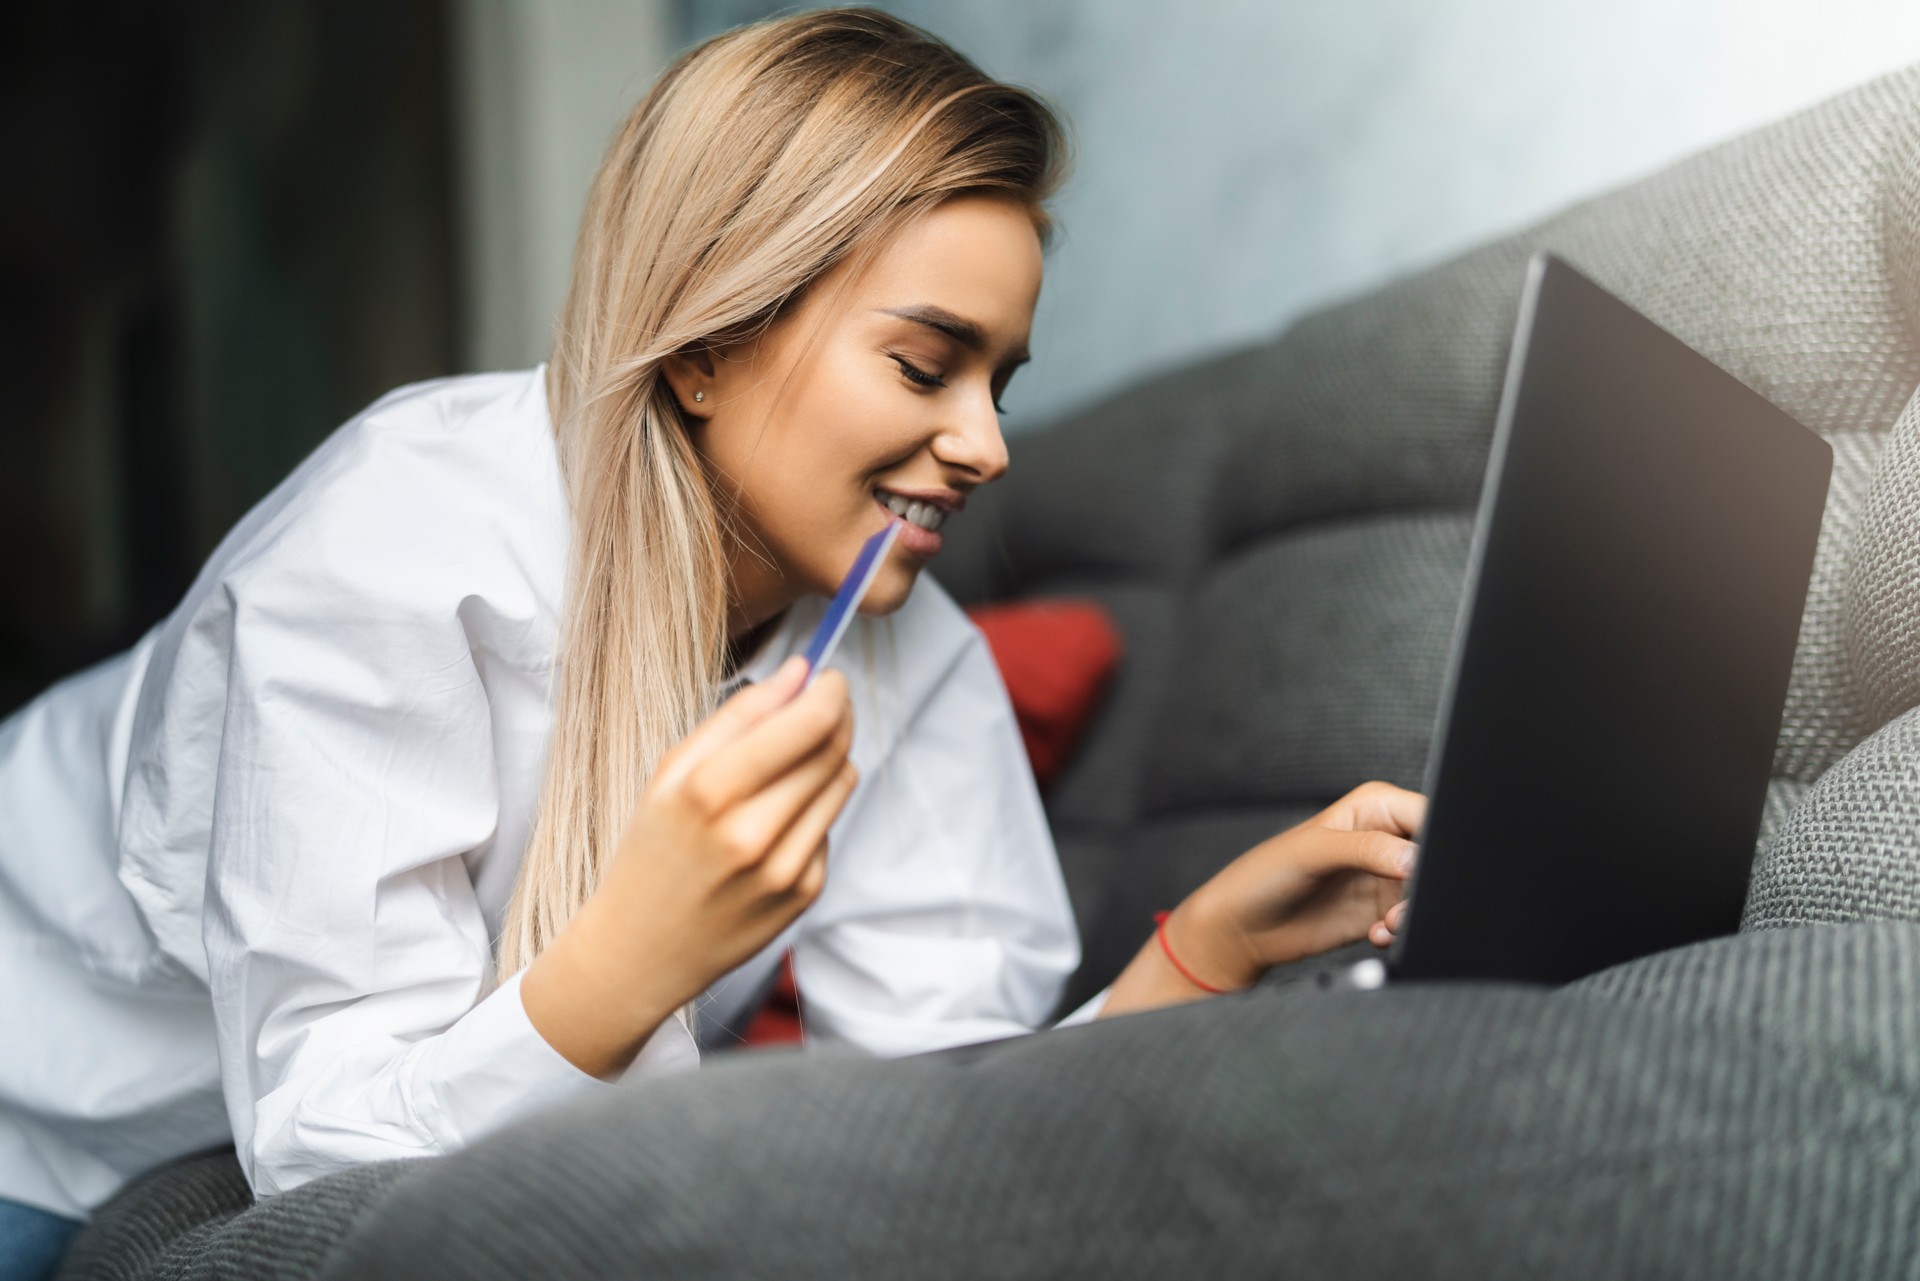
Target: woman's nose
974	444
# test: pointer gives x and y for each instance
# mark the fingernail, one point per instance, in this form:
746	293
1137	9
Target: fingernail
796	664
1406	858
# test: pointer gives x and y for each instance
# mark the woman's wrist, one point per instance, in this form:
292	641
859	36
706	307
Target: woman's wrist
1173	957
591	1004
1182	961
1206	937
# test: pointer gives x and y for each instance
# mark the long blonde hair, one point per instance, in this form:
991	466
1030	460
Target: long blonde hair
760	160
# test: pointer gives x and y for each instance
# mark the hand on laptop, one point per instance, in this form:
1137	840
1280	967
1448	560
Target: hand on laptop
1336	878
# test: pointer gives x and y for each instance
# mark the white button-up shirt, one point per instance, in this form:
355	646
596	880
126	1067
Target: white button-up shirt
250	871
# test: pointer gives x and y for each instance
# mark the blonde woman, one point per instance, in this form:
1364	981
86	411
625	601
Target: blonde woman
473	772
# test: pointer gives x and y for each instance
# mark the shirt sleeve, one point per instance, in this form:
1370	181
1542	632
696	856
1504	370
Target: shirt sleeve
1089	1011
945	920
348	957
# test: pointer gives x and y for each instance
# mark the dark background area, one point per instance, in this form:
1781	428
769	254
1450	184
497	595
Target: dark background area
228	226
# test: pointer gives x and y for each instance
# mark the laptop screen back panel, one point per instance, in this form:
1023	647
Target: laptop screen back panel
1621	659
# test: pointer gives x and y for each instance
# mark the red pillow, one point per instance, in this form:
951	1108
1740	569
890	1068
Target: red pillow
1056	657
778	1022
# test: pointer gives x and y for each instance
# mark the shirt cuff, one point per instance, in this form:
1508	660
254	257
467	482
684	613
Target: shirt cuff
1088	1012
493	1067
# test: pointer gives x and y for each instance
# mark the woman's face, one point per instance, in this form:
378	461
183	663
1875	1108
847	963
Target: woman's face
873	399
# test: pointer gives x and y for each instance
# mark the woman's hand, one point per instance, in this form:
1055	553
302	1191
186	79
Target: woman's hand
727	845
1334	879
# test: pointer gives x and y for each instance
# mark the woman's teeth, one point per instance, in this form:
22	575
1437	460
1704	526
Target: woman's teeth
925	515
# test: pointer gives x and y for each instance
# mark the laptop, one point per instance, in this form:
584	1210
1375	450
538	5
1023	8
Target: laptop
1620	659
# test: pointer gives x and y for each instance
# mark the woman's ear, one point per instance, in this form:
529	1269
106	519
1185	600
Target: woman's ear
691	375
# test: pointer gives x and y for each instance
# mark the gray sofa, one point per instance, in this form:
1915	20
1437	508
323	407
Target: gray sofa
1280	533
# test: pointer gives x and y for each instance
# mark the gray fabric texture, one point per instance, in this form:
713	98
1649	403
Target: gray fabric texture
197	1221
1850	850
130	1234
1882	630
1740	1110
1341	693
1279	534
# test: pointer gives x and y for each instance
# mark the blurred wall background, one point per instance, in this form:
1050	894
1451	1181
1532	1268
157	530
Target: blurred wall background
233	224
1243	160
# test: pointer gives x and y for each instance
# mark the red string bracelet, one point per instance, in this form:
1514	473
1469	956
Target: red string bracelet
1160	932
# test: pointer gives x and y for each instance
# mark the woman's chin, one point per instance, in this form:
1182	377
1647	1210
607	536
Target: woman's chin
890	588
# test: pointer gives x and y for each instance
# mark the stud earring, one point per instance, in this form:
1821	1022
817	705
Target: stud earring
699	396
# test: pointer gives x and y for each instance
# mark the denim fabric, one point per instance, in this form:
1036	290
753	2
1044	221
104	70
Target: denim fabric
32	1242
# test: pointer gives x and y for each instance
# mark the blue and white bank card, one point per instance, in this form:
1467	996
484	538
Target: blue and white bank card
846	601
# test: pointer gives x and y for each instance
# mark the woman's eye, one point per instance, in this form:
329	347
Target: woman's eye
915	374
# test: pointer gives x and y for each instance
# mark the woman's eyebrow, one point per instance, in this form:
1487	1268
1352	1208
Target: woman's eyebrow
959	328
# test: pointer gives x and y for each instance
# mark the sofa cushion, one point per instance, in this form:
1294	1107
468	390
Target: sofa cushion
196	1220
1826	712
1882	594
1743	1109
1311	663
1850	850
